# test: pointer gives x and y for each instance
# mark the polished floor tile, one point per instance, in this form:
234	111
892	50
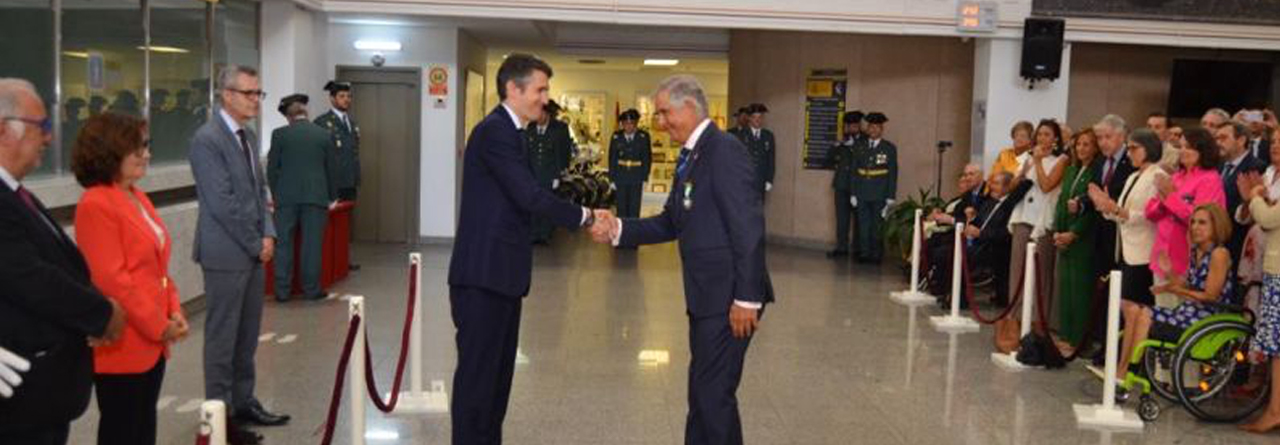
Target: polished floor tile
604	352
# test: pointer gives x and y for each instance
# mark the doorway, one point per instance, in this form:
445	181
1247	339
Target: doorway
386	107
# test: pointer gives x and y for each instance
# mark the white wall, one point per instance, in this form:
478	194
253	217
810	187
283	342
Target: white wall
291	62
422	46
999	88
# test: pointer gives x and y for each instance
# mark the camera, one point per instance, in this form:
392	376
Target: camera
944	145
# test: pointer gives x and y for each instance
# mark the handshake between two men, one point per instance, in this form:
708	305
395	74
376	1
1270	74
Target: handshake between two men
606	228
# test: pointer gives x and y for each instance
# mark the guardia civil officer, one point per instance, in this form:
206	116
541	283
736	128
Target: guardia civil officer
760	146
550	148
840	158
740	118
875	182
345	134
630	156
299	166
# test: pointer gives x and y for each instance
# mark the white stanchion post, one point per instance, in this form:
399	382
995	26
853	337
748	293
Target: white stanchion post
912	296
955	323
1010	361
417	399
213	421
1107	415
355	369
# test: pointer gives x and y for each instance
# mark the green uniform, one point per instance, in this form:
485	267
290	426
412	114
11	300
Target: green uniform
299	166
840	158
762	150
346	144
629	160
875	181
1075	268
550	149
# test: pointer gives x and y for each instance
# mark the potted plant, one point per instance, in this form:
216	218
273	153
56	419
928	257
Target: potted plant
897	230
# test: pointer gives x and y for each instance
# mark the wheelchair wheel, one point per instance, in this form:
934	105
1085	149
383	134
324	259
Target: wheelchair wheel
1158	364
1212	373
1148	409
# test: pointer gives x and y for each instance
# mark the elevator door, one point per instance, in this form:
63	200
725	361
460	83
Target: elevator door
386	106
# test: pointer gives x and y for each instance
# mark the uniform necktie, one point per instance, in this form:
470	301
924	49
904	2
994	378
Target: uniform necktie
346	123
682	162
248	155
629	137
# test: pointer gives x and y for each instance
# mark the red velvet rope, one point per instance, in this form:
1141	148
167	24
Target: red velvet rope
924	259
372	385
968	293
336	399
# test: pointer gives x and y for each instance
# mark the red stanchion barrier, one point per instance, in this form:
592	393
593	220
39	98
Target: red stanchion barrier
390	405
336	399
968	293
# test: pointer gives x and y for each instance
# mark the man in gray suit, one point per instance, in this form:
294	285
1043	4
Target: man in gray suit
235	235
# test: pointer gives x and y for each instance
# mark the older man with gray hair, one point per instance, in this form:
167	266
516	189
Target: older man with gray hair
48	305
716	214
234	236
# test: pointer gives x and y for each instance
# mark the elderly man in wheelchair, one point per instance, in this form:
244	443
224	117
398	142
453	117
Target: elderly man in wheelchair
1196	353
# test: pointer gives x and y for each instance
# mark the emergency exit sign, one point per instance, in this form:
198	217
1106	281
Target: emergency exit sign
977	16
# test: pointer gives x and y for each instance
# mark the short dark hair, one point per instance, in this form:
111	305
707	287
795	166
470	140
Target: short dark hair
1159	115
1238	129
103	143
1149	142
518	68
1057	134
1200	140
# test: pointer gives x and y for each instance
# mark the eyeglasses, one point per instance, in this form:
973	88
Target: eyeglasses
45	125
252	93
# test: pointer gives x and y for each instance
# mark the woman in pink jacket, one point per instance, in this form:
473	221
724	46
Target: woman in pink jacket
1196	182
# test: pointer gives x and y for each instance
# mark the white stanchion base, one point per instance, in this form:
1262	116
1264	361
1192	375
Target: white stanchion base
1008	362
954	325
912	298
1115	419
435	401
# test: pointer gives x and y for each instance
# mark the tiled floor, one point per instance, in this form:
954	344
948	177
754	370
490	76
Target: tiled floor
835	363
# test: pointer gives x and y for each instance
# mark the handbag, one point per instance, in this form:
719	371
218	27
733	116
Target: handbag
1006	336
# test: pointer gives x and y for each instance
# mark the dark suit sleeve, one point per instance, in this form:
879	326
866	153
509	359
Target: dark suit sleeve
501	155
29	282
1020	191
213	183
743	214
998	228
655	229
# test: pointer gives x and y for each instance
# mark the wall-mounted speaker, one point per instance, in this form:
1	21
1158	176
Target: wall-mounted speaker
1042	48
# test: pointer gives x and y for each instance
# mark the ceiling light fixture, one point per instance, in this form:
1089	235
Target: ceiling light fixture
661	62
377	45
165	49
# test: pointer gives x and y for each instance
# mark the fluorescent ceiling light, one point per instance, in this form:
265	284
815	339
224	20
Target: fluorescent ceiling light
76	54
165	49
661	62
377	45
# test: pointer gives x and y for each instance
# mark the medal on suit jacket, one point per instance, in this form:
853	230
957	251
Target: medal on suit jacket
687	201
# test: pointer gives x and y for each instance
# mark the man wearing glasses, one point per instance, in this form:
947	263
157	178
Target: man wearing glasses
235	235
48	305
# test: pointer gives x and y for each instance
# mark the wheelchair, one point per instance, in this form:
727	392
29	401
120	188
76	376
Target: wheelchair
1207	370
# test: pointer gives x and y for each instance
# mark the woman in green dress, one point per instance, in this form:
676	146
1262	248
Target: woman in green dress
1073	227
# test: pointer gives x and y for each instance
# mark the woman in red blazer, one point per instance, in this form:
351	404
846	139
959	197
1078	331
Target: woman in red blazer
127	248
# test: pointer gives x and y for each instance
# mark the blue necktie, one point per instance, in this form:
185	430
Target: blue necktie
682	162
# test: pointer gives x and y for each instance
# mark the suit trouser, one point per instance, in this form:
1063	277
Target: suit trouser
1020	234
844	215
127	403
310	218
629	197
47	436
233	321
542	227
715	371
488	332
869	221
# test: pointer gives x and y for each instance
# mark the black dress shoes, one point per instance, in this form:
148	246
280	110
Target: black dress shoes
353	267
257	415
837	253
237	435
316	297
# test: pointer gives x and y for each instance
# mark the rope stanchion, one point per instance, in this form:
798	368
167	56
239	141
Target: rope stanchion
335	400
390	405
1028	285
1107	414
912	296
969	291
955	323
213	423
417	399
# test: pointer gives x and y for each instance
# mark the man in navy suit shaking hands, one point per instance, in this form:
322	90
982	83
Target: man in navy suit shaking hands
715	212
492	259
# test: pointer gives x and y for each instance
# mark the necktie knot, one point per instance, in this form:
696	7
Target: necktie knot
682	162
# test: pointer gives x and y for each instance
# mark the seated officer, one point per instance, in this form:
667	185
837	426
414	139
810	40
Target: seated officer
630	156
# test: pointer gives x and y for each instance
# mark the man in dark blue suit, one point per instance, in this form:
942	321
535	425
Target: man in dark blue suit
715	211
492	258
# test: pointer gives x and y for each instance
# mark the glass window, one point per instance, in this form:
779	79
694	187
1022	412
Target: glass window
102	63
26	49
179	76
235	39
